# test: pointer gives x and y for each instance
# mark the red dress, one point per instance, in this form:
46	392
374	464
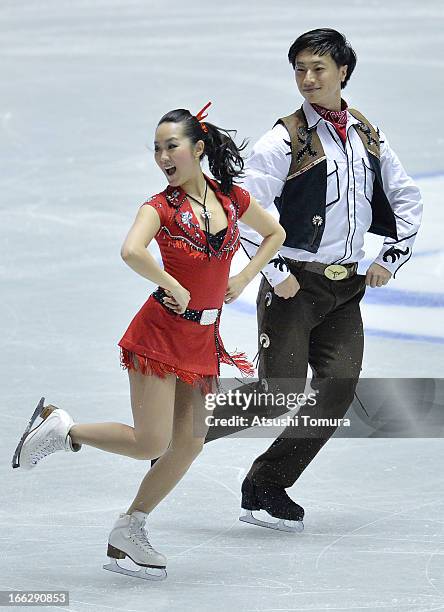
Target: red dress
165	342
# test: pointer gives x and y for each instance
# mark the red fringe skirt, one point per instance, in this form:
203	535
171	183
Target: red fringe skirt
172	339
151	367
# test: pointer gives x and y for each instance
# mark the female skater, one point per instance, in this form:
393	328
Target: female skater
172	348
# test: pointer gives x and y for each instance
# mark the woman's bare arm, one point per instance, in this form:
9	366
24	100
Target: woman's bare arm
274	235
135	254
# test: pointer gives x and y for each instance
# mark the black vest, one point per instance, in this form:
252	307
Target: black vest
302	204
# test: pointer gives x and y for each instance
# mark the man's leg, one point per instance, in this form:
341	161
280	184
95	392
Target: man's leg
335	354
284	328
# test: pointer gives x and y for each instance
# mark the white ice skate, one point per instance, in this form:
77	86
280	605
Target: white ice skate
51	435
128	538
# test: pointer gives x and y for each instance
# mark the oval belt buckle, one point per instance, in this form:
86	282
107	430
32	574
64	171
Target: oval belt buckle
336	272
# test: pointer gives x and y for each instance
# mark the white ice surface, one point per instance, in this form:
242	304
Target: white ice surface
83	85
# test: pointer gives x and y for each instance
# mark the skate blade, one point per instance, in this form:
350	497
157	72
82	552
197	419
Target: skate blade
145	573
280	524
35	414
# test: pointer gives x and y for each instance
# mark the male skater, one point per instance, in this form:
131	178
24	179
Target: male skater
332	177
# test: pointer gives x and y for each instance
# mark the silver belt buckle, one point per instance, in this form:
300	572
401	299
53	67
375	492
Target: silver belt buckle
336	272
209	316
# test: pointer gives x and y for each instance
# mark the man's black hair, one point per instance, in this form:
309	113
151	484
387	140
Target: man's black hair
326	41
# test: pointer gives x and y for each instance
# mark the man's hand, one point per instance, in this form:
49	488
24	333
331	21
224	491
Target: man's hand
288	288
377	276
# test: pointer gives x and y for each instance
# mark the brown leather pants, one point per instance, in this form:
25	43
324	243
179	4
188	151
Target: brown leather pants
320	327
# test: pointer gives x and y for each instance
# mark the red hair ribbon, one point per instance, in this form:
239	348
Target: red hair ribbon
200	115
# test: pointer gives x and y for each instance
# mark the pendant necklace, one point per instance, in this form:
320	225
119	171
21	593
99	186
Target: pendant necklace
205	214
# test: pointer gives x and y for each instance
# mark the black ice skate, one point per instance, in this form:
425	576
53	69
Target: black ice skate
276	503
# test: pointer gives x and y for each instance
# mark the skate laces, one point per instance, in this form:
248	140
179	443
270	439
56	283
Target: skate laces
138	533
45	448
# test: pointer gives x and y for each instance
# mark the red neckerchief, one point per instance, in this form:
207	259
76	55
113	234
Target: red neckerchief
337	118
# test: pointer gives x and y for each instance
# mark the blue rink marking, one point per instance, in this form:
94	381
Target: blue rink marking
400	297
250	309
394	335
426	253
428	175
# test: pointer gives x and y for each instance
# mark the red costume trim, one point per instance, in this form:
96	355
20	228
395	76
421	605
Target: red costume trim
179	243
151	367
240	360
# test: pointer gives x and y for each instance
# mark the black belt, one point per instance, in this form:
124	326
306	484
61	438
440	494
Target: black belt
203	317
333	272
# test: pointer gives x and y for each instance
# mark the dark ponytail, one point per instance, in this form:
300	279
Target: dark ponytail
224	156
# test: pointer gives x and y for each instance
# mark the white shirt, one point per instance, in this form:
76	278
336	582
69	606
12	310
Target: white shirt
348	195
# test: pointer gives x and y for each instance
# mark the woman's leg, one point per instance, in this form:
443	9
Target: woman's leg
152	402
168	470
